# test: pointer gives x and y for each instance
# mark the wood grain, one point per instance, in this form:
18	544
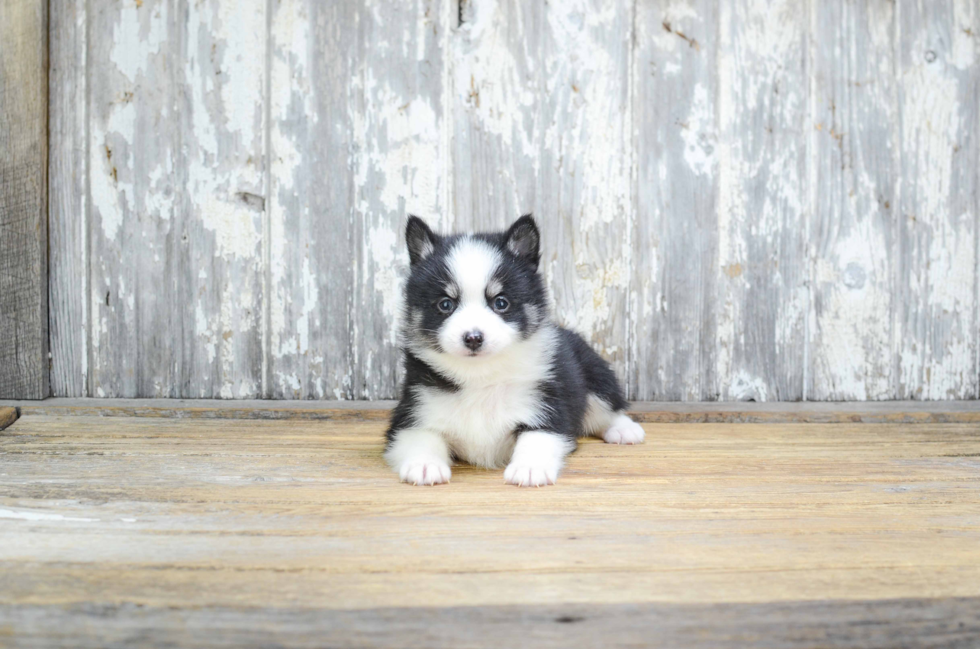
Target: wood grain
220	208
758	285
745	200
68	199
935	330
584	196
23	199
135	189
309	255
155	521
914	623
855	178
675	245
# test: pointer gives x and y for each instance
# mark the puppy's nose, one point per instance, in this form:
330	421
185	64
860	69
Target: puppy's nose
473	340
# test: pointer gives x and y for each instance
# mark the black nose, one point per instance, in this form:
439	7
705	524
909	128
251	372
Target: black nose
473	340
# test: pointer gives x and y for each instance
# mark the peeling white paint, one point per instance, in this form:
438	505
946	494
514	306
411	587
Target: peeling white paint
42	516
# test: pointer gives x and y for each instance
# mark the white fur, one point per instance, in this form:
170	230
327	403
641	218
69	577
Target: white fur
472	263
538	459
420	457
624	431
496	393
598	416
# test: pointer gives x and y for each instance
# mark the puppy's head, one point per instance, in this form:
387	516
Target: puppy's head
473	295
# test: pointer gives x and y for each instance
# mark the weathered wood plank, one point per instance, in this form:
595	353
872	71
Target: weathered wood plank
497	75
855	179
68	199
935	283
675	241
645	411
309	255
400	163
223	514
758	284
221	206
135	193
913	623
23	199
541	111
584	194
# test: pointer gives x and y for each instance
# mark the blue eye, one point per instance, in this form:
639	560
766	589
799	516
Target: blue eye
500	304
446	305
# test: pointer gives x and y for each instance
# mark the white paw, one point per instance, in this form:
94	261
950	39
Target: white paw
537	459
524	475
624	431
424	471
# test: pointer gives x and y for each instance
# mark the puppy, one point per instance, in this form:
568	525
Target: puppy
489	378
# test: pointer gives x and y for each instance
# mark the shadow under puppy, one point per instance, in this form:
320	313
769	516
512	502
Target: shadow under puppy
489	378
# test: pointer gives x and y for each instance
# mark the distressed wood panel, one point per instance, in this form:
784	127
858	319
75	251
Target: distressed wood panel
309	253
584	196
23	199
68	199
758	284
497	68
401	156
935	317
855	176
752	199
134	193
220	206
542	124
674	242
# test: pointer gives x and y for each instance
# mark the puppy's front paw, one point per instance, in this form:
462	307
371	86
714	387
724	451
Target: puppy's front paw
624	431
529	475
424	471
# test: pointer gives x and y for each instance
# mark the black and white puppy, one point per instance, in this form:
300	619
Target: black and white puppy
489	379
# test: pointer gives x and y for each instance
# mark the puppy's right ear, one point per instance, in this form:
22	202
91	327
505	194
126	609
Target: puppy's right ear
420	239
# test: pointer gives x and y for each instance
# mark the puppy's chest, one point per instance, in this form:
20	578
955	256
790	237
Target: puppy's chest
477	422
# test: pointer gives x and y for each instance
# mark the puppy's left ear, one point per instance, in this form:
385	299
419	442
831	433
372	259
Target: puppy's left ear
420	239
524	240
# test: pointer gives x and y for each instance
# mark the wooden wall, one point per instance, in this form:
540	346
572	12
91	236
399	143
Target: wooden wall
744	199
23	195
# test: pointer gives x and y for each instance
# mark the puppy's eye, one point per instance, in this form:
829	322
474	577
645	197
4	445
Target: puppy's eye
446	305
500	304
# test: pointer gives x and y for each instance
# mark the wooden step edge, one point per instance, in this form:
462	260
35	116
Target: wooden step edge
647	412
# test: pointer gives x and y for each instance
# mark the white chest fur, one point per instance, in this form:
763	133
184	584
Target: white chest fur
494	396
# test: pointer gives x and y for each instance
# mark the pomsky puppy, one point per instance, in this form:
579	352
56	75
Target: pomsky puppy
489	378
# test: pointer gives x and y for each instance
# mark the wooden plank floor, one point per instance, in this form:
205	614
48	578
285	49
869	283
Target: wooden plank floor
220	532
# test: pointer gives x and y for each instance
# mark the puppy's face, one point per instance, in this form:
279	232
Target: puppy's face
473	295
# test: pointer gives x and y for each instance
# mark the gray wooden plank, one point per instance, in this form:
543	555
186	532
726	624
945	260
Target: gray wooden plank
309	256
221	206
400	162
758	284
23	199
541	123
68	199
674	244
855	147
135	193
584	190
912	623
935	283
496	77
